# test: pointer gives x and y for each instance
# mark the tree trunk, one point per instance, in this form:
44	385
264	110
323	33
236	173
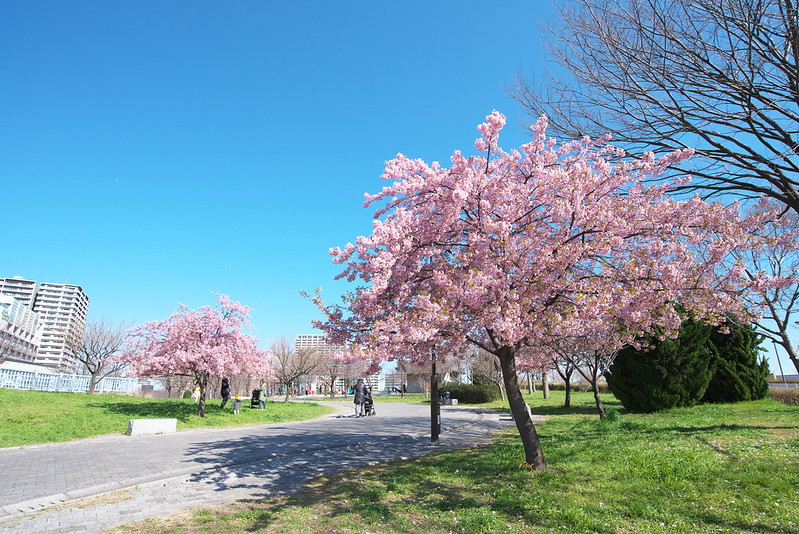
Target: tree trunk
567	380
202	381
599	406
534	454
545	384
789	349
92	383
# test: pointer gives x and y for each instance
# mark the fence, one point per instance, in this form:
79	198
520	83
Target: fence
14	379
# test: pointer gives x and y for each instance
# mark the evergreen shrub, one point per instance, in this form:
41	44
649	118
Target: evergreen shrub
476	393
739	376
670	373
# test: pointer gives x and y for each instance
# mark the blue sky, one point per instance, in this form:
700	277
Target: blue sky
157	152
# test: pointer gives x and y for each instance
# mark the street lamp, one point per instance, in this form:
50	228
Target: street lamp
435	408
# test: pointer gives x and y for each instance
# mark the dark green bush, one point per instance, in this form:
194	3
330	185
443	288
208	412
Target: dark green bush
477	393
739	376
671	373
187	394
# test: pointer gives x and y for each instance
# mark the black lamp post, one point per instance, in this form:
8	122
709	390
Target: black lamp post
435	408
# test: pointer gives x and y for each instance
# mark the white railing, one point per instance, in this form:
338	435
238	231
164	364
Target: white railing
14	379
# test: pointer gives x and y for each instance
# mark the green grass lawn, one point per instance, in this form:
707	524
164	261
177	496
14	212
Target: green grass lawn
28	417
712	468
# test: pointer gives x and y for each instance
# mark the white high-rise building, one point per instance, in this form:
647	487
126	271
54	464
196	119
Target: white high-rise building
61	309
19	331
320	343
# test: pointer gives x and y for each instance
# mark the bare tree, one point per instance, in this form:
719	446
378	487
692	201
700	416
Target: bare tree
590	356
289	364
100	340
717	75
332	370
781	259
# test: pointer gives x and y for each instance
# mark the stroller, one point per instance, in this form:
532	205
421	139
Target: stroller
368	405
255	398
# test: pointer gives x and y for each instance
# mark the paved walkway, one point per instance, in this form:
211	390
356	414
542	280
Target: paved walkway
99	483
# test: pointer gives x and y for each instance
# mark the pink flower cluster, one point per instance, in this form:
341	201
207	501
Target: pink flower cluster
202	342
520	248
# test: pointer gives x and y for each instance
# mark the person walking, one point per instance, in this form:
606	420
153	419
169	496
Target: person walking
262	400
360	396
225	392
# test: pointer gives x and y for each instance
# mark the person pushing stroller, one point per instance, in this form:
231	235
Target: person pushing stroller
363	399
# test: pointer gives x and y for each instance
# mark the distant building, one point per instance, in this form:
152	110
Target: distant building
61	310
316	342
320	343
19	331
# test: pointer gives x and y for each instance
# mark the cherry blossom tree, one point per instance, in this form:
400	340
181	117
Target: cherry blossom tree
201	343
590	356
503	250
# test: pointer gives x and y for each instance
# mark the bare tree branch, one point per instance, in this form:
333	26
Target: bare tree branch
289	364
717	75
100	340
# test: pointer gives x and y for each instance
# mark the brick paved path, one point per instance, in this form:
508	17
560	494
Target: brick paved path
99	483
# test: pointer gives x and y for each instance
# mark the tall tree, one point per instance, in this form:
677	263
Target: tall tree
95	349
781	261
505	249
201	343
718	75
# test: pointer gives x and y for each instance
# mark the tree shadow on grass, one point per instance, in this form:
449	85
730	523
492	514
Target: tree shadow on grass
346	492
152	409
598	429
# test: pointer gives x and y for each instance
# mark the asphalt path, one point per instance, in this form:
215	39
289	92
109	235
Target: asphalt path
99	483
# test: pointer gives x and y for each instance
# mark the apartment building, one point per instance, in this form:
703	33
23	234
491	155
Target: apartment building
61	310
320	343
19	330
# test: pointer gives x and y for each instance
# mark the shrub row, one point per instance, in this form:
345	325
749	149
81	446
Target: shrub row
785	396
478	393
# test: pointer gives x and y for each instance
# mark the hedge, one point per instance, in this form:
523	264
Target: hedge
471	393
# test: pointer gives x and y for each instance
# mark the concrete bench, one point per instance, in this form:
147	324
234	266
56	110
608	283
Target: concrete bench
138	427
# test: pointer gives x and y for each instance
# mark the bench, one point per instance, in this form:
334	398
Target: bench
138	427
